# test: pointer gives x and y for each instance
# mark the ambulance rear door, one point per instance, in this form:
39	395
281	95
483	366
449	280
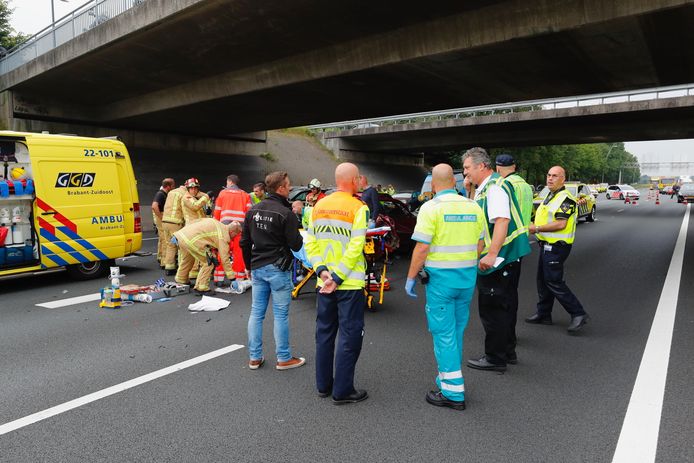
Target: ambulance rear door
78	201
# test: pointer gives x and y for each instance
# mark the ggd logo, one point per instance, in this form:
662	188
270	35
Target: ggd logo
75	180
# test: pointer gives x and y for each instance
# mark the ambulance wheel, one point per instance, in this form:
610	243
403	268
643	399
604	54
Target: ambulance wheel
89	270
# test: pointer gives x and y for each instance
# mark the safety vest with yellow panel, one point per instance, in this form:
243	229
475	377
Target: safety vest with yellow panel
515	243
452	226
173	207
524	195
560	205
202	237
194	207
335	239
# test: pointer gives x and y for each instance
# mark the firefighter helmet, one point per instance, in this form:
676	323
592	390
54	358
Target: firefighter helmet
192	183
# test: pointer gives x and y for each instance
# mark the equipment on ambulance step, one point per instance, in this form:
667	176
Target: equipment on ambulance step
5	216
18	173
192	183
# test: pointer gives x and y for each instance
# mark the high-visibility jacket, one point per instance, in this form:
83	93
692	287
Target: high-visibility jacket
254	199
232	204
204	236
335	239
173	207
546	214
452	226
515	244
194	207
524	195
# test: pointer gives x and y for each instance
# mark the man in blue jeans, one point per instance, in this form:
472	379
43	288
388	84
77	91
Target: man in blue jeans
270	230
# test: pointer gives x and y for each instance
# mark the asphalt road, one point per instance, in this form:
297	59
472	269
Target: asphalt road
565	401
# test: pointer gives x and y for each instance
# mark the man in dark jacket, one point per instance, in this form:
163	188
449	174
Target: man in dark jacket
370	196
270	230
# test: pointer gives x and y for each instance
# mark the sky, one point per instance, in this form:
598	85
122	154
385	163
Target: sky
30	16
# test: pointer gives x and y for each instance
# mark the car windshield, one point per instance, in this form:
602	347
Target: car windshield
627	187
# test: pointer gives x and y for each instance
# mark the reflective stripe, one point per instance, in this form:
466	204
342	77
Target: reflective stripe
450	374
443	248
453	387
351	274
450	263
229	211
332	223
325	235
315	260
419	236
361	232
360	276
557	235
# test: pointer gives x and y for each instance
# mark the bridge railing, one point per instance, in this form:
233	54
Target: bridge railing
79	21
506	108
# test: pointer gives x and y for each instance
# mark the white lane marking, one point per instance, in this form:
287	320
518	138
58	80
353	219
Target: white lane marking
620	210
70	301
148	239
36	417
638	440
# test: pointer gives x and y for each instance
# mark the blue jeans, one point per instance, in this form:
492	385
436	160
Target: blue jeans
269	280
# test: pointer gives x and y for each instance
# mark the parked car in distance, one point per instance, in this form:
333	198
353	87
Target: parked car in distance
686	193
622	192
667	190
593	190
586	201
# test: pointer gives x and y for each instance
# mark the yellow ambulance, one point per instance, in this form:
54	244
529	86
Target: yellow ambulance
65	202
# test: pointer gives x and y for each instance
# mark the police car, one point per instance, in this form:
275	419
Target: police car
621	192
586	201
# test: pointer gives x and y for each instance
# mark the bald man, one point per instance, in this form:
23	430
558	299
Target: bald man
555	229
450	237
335	247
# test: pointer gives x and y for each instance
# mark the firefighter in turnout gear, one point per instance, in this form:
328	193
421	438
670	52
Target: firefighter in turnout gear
194	204
172	221
200	241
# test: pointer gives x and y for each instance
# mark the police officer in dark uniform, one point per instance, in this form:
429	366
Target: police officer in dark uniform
555	229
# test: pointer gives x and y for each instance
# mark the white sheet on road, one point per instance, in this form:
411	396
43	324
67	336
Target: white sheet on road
209	304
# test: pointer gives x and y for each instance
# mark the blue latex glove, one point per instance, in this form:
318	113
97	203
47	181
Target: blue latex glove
174	240
409	287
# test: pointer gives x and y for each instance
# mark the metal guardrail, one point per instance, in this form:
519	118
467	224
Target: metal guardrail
506	108
81	20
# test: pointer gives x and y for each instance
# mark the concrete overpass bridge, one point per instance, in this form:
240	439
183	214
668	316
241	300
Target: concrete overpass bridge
648	114
220	68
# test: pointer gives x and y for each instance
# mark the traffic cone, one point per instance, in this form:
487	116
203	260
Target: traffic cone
627	200
633	202
657	199
685	201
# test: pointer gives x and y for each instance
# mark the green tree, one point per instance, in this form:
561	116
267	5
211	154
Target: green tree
9	38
